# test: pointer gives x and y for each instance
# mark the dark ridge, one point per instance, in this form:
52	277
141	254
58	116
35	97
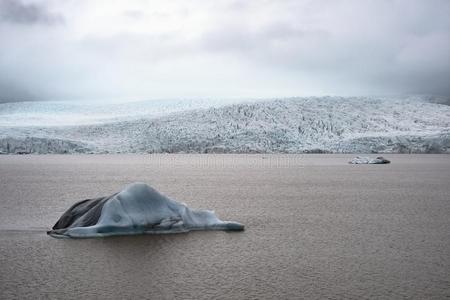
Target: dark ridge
84	213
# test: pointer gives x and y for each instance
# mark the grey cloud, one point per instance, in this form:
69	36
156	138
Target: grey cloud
279	41
9	92
134	14
389	46
15	11
335	47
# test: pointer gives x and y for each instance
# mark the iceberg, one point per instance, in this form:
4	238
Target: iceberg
137	209
367	160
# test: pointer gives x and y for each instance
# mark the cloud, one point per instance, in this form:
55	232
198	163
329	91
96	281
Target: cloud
15	11
178	49
12	93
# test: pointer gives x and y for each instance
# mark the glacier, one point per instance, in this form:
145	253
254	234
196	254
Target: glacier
137	209
413	124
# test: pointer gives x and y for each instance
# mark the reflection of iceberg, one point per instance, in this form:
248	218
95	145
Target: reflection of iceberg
137	209
368	160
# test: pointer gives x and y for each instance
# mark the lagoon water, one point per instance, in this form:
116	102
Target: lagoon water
316	228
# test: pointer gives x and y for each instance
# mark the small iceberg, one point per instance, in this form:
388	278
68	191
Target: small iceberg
137	209
367	160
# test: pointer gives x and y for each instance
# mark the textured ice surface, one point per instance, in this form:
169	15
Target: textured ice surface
75	113
137	209
367	160
298	125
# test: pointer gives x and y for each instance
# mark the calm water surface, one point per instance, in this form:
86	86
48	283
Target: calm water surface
316	228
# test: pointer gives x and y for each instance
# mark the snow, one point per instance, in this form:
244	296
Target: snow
74	113
296	125
139	209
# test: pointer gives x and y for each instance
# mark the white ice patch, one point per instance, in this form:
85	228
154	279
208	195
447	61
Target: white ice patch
367	160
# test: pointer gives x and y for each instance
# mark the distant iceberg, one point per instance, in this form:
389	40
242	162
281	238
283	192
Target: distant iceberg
367	160
137	209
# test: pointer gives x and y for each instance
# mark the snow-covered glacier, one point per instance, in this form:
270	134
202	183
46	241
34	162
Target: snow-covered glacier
296	125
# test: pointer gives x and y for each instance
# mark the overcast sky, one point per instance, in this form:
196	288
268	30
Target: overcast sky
133	50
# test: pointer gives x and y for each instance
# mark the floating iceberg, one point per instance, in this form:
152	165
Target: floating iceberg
368	160
137	209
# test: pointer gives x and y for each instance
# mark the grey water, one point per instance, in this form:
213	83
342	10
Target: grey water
316	227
